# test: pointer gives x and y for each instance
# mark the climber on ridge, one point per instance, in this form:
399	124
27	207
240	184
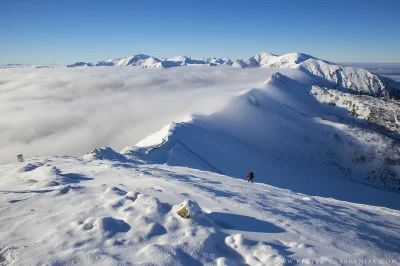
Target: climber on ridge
250	176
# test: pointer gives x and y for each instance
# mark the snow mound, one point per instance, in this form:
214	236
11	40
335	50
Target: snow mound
45	176
259	254
64	189
114	191
110	226
30	167
105	153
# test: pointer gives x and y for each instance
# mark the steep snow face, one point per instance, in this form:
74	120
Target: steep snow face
134	60
280	131
275	61
157	139
349	79
149	62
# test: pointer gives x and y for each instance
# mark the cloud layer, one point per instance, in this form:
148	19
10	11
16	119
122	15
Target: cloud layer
64	111
391	70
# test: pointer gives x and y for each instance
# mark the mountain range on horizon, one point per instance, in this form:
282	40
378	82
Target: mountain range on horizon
325	73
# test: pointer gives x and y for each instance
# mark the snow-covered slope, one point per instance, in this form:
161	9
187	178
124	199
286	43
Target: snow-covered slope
355	80
348	79
94	211
324	73
381	112
275	61
277	131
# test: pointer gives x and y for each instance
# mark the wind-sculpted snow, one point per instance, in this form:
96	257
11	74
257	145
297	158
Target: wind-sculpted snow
127	214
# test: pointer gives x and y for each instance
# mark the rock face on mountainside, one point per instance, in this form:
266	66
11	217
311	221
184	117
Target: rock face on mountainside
346	79
383	112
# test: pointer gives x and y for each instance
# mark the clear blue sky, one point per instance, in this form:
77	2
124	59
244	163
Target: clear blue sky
52	31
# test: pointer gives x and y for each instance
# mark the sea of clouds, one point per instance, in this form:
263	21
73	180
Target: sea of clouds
390	70
69	111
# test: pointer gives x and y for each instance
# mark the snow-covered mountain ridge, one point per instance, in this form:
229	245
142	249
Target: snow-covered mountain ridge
284	125
347	79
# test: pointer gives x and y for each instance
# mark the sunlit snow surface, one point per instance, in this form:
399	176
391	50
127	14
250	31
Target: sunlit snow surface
63	210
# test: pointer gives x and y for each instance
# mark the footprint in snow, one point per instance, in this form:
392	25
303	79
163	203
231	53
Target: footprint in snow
65	189
294	244
254	253
114	191
30	167
122	201
157	189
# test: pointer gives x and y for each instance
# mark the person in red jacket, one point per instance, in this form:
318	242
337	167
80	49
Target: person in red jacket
250	176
